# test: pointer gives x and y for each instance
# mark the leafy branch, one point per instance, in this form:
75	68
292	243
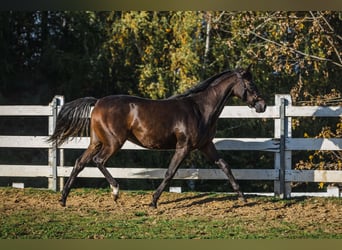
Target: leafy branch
295	51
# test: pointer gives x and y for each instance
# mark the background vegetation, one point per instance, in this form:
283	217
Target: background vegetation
158	54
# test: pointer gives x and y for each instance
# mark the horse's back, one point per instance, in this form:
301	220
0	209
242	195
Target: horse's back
126	103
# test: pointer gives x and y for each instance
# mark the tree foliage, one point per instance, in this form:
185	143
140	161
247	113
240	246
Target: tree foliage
160	48
157	54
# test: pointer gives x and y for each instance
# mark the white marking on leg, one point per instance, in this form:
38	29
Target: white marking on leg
115	191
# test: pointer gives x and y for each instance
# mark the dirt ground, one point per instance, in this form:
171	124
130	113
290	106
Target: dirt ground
307	211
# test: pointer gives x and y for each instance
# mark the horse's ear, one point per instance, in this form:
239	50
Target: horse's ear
247	72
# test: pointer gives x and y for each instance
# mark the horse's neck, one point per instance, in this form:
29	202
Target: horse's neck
211	101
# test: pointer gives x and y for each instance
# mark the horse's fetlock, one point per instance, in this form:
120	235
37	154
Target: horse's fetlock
115	191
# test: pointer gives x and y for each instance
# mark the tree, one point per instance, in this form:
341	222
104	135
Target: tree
161	49
49	53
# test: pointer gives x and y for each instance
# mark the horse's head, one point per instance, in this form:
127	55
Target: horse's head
248	91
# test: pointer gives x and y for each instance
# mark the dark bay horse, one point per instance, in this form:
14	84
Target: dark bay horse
183	122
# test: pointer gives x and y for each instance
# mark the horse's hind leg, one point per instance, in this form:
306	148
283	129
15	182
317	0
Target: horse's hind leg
101	158
80	163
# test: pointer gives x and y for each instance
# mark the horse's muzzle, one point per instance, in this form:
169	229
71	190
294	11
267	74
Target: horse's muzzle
260	106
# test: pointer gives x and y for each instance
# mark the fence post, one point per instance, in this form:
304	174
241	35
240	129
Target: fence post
57	101
60	183
283	158
53	149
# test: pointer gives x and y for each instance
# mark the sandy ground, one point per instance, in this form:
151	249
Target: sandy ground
306	211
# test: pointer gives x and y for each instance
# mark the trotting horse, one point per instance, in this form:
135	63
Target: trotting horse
182	122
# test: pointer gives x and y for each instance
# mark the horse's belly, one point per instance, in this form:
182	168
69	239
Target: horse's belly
154	142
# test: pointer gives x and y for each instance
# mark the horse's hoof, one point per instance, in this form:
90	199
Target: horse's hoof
62	203
243	199
153	205
115	198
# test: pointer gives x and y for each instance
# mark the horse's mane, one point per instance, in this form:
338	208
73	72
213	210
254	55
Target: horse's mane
203	85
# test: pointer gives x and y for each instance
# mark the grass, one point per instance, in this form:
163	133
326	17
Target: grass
30	225
91	223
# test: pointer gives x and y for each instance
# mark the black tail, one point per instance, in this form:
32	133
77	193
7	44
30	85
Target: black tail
73	120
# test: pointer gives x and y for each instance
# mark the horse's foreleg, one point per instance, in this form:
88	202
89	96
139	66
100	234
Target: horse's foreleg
211	153
226	169
177	159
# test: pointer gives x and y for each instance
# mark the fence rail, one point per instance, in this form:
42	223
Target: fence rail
281	145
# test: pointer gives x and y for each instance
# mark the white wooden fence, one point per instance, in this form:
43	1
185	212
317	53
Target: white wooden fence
282	145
